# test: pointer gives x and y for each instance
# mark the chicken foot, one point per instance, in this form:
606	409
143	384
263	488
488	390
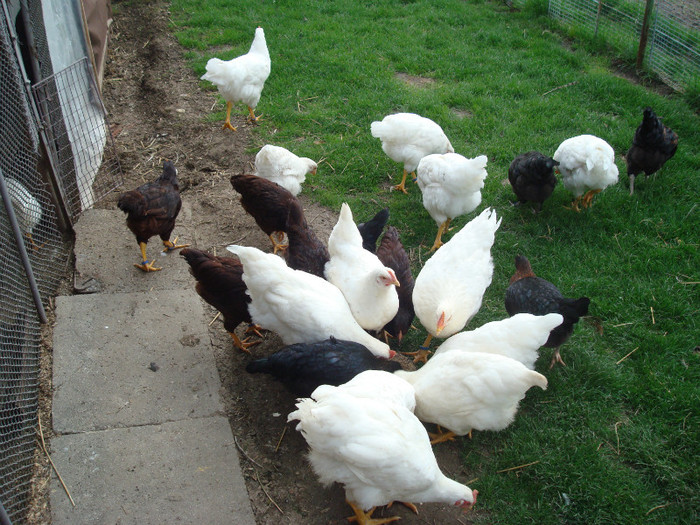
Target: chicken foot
438	238
277	246
441	436
146	265
422	354
227	124
170	246
588	198
402	186
252	118
244	344
365	518
556	358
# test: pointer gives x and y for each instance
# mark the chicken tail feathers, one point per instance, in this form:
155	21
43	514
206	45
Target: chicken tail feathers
573	309
258	366
132	203
372	229
538	380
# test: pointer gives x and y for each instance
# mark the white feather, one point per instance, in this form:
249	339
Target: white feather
283	167
586	163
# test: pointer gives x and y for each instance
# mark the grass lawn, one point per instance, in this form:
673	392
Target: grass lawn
614	439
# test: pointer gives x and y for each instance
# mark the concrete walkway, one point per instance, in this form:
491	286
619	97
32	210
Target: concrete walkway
140	434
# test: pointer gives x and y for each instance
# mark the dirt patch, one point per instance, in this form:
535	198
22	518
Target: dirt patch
158	111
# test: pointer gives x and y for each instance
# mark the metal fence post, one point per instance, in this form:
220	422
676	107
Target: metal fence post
648	10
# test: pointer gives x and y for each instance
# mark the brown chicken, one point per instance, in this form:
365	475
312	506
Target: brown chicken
393	255
220	283
268	203
305	251
528	293
372	229
151	209
653	144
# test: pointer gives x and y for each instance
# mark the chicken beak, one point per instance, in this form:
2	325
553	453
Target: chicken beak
440	323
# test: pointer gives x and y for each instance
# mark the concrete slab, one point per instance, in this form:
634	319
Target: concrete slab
104	345
181	472
106	250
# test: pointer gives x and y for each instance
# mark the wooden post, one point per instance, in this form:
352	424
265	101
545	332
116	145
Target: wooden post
648	10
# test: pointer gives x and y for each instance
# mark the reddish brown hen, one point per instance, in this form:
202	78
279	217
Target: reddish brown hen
151	210
393	255
268	203
220	283
305	251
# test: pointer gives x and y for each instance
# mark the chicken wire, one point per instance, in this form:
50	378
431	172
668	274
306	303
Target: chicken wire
674	37
79	137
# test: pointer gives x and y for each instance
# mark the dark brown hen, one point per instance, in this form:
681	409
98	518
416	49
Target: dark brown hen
653	144
528	293
372	229
267	202
151	210
220	283
393	255
305	251
532	178
302	367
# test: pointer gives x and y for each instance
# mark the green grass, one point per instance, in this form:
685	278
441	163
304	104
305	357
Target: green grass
614	438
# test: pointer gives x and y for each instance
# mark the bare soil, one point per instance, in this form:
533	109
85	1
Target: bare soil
157	110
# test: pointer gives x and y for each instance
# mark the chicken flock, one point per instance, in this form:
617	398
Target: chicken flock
336	305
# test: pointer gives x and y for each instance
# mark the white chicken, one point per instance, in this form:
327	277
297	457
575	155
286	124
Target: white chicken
27	208
368	286
299	306
364	435
451	186
518	337
283	167
465	391
407	138
449	288
241	79
587	166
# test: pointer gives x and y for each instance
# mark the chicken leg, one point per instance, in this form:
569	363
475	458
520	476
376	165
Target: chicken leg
253	118
402	186
278	246
227	124
146	265
588	198
556	358
422	354
170	246
365	518
244	344
441	436
438	238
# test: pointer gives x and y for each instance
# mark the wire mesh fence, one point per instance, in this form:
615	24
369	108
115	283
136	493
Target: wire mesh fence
673	49
56	150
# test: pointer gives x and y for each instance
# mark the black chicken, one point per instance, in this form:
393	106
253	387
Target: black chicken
151	210
268	203
305	251
532	178
302	367
653	144
372	229
393	255
220	283
528	293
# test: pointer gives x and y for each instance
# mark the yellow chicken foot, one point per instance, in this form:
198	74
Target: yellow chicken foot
227	124
574	204
242	345
556	358
170	246
365	518
588	198
277	246
441	436
422	354
146	265
31	241
402	186
438	238
253	119
254	328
